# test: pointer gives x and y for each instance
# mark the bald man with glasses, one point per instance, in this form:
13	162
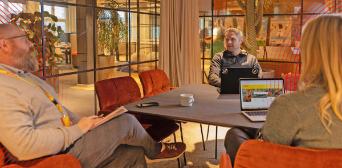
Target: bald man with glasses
34	124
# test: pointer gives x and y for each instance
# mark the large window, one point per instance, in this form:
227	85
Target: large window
272	30
7	8
97	40
60	13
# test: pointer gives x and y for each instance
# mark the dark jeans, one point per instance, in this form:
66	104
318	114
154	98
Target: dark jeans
235	137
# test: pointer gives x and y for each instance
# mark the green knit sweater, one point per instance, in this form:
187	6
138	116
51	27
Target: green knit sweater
294	119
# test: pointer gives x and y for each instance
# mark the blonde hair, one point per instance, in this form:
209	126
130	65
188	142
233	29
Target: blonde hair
321	57
234	30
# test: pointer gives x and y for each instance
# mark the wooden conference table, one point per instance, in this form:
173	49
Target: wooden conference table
209	107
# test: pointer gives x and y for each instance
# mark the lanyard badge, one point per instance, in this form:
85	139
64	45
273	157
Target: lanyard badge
65	118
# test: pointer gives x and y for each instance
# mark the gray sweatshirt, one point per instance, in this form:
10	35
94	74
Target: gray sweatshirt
30	124
293	119
225	59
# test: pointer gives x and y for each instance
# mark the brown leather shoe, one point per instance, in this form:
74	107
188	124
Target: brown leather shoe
171	151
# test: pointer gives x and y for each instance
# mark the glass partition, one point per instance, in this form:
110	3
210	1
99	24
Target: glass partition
271	28
87	41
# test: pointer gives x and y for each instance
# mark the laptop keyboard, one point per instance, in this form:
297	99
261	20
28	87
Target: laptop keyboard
256	113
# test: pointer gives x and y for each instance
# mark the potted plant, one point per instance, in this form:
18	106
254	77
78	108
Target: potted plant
110	29
31	23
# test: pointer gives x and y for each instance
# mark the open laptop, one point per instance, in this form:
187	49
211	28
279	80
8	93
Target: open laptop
230	79
256	96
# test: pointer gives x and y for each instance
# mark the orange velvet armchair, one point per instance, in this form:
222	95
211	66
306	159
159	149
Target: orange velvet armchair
56	161
115	92
154	82
261	154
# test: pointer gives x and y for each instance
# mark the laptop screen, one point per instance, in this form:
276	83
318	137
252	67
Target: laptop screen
230	79
259	93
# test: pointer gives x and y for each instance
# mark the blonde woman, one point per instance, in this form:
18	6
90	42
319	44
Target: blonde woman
312	117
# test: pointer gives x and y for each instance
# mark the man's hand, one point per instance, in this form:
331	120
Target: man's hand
88	123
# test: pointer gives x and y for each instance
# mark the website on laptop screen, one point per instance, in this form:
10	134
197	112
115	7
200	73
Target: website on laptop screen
259	94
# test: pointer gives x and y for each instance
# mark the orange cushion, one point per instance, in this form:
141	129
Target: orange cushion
260	154
225	161
57	161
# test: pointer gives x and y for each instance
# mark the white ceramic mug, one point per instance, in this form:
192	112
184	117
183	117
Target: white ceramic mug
186	100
